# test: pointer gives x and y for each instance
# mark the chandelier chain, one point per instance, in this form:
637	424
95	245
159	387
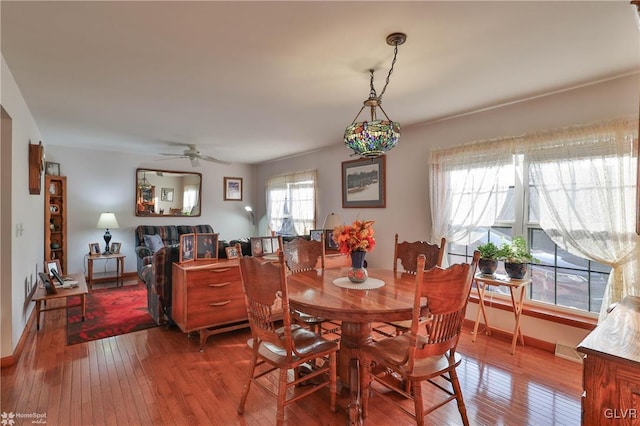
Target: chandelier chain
395	55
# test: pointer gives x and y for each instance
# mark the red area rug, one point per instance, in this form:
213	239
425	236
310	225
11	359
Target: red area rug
110	312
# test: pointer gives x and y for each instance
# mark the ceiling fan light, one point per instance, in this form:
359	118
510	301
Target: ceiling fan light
371	139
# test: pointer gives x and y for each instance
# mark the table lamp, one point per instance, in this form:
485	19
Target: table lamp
106	221
331	221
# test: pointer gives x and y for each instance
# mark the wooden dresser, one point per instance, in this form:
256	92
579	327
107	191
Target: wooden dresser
611	370
208	297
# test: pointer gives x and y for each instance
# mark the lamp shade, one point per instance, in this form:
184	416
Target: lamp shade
332	220
372	139
107	220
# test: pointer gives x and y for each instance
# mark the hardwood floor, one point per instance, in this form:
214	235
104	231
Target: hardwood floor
158	377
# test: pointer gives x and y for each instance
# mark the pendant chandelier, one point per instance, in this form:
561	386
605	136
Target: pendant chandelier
144	183
371	139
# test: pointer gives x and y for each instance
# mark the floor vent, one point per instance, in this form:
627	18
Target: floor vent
567	352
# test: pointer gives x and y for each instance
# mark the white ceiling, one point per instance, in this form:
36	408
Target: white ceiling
253	81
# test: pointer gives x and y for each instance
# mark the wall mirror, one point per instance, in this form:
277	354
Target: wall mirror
167	193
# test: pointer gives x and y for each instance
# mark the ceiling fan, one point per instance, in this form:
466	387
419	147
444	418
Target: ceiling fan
194	155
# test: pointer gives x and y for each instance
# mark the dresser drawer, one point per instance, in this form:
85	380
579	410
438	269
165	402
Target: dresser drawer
203	277
214	310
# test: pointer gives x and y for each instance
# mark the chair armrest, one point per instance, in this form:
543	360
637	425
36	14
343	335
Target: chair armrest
143	251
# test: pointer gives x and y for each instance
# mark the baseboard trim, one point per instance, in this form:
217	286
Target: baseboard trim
125	277
506	336
13	359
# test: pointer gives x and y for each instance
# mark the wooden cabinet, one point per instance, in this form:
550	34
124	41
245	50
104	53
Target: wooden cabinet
55	220
611	369
207	297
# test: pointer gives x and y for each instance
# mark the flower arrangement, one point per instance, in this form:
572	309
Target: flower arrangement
355	237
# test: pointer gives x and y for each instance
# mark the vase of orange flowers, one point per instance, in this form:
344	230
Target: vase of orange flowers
356	240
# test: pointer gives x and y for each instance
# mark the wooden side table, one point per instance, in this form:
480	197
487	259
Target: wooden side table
41	297
119	267
482	281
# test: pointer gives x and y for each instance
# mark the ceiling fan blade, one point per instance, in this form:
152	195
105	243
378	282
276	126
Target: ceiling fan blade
213	159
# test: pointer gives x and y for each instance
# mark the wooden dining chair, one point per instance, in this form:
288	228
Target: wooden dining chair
303	255
428	350
285	346
407	253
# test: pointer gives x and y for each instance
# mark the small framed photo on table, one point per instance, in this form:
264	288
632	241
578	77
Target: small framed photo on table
187	247
232	252
52	265
94	249
207	246
232	189
316	234
115	248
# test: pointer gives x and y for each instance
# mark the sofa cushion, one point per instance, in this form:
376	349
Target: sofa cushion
154	242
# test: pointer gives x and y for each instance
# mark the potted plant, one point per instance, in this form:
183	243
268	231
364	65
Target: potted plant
516	256
489	256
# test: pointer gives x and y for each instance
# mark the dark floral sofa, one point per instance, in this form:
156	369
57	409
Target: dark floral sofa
155	269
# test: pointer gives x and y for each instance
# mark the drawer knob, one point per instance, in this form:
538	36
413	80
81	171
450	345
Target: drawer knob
219	270
220	303
220	284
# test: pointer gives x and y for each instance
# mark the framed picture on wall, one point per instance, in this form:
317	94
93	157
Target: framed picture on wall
166	194
233	189
363	183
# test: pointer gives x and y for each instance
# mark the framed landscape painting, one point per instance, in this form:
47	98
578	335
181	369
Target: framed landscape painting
233	189
363	183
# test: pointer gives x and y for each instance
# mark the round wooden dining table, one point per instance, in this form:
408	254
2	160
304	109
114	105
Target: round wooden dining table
314	293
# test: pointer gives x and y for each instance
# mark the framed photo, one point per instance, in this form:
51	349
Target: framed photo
364	183
94	249
329	244
232	252
187	247
115	248
166	194
256	247
267	246
48	283
316	234
207	246
52	169
233	189
52	265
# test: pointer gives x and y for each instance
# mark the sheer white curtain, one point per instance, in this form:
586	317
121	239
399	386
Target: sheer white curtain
291	203
469	187
586	180
190	199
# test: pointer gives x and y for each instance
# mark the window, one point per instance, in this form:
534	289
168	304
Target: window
291	203
567	192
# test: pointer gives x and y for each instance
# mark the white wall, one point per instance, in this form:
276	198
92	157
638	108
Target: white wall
26	210
407	210
100	181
